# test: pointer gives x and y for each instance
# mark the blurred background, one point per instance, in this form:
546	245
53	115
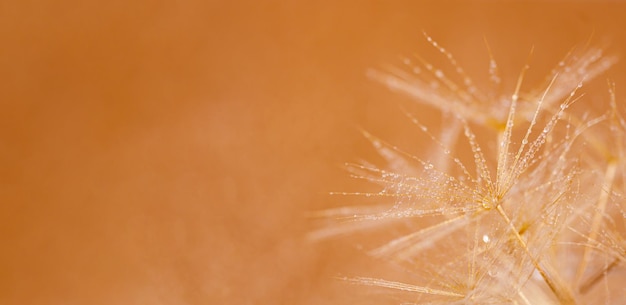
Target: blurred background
167	152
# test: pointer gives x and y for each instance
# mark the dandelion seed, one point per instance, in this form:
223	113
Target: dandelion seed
493	231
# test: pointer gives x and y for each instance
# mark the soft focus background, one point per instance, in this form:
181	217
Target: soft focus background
157	152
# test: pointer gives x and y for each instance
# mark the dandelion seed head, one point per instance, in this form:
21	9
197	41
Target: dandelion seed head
516	198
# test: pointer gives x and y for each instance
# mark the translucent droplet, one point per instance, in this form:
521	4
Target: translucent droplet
525	141
486	238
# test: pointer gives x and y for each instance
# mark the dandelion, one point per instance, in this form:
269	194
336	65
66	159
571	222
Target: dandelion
500	228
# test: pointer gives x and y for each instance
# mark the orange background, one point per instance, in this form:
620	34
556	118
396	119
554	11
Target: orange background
159	152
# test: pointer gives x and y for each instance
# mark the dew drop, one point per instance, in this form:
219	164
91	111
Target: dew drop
509	124
486	238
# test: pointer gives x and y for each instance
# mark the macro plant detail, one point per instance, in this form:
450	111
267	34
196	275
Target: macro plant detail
519	202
